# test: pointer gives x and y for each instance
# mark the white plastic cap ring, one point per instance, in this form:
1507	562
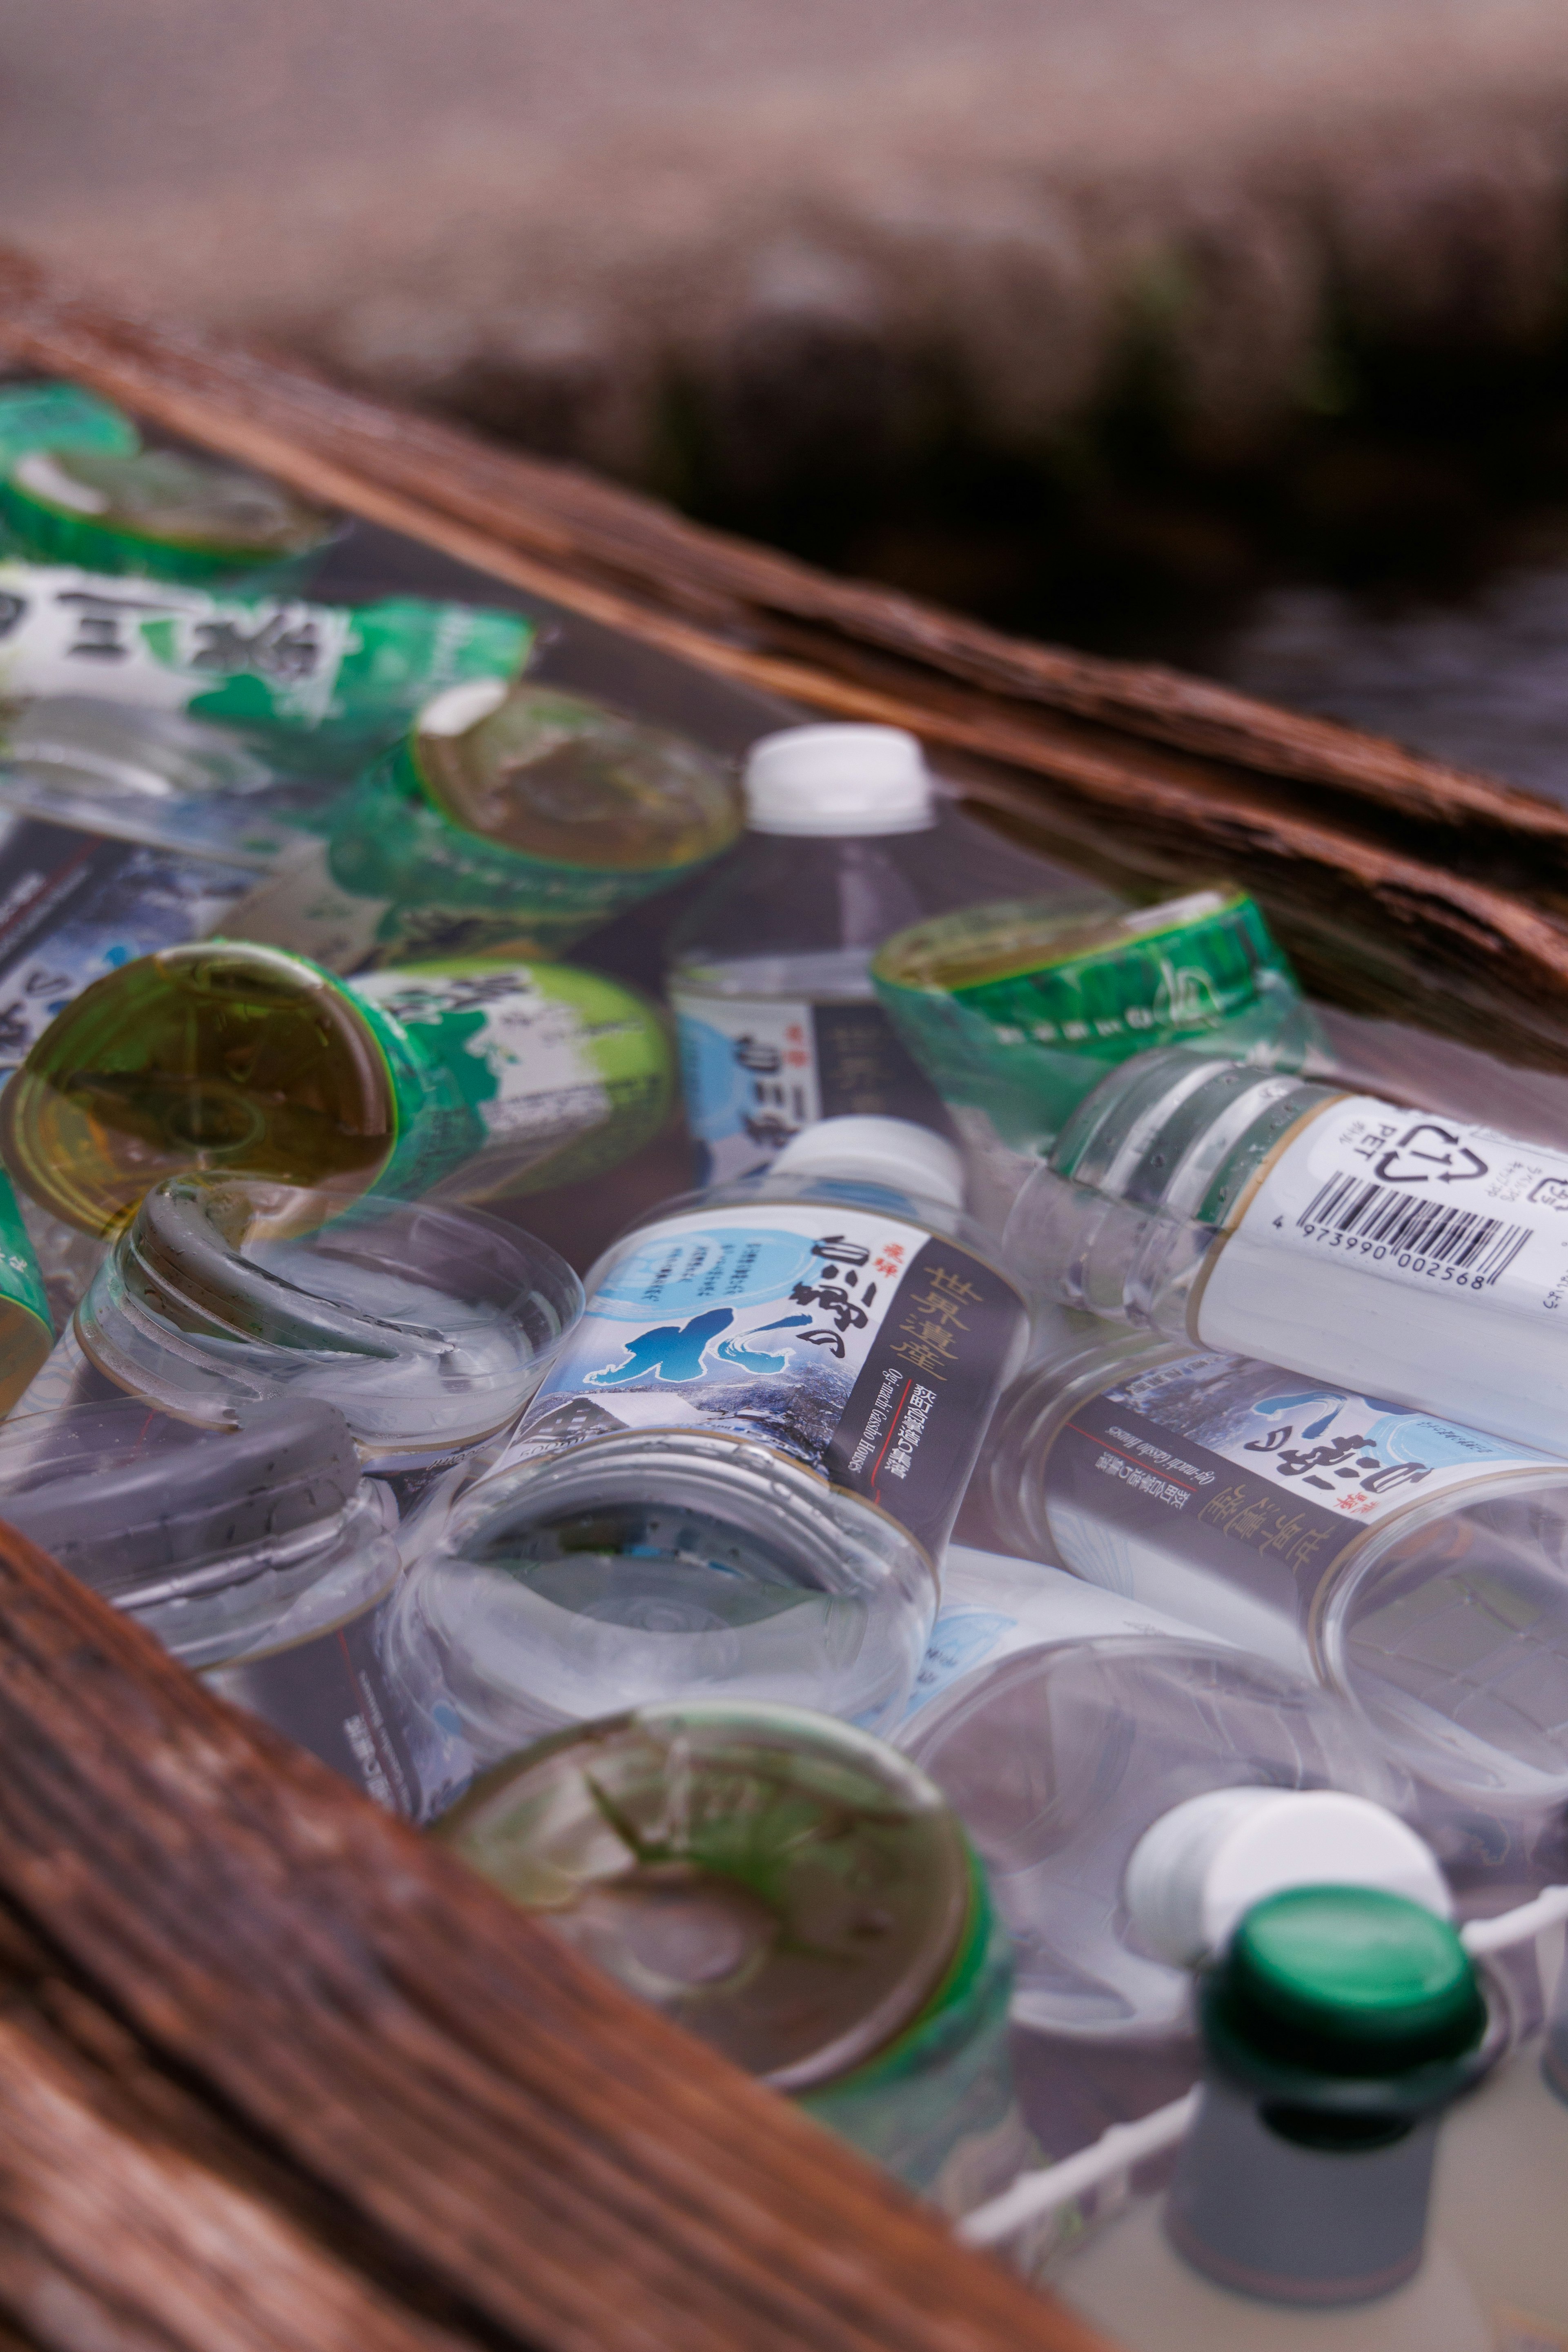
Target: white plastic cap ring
893	1151
1191	1876
839	780
457	708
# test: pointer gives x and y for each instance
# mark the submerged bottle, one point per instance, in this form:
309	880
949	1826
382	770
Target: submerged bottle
1129	1792
257	1555
1385	1249
167	513
427	1328
741	1473
1340	2025
770	972
478	1079
792	1892
1414	1566
1018	1010
512	820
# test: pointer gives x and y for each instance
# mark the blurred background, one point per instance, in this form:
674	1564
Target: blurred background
1229	331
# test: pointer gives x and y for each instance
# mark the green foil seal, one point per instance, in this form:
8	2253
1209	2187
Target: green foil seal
1016	1010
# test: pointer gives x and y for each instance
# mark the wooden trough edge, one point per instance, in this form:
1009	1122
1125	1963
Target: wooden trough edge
1403	887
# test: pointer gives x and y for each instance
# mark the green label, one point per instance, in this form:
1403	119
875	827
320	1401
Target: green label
357	670
1037	1027
537	1075
441	889
27	1330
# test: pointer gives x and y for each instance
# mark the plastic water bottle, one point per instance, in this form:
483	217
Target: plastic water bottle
1340	2025
1374	1247
428	1327
795	1894
770	972
472	1079
1411	1564
741	1473
509	821
257	1555
1132	1791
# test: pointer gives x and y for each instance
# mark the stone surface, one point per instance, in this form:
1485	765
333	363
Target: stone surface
611	227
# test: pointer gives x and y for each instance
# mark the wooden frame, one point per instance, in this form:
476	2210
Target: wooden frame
275	2073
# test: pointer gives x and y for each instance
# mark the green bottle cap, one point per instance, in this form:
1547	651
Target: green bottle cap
1348	1981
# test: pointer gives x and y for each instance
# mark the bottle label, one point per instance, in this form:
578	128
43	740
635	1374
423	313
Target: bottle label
249	659
757	1070
330	1694
1438	1251
857	1343
520	1063
1263	1480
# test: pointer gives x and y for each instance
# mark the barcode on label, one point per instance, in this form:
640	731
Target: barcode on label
1474	1244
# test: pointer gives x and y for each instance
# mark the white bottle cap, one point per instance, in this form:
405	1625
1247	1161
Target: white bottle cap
893	1151
834	780
1190	1878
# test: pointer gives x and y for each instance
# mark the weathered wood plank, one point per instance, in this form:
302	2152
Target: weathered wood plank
286	2075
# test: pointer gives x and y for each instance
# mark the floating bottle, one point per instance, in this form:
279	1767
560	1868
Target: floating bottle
259	1556
770	972
1373	1248
792	1892
1130	1792
480	1080
1340	2025
512	819
741	1473
1015	1010
163	512
428	1327
348	675
1413	1566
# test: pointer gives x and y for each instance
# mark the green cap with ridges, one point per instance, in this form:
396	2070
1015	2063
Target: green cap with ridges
1348	1981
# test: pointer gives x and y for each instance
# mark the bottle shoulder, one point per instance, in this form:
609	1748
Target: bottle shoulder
840	1198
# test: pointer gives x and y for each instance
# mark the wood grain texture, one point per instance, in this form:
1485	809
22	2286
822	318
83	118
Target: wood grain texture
1403	887
274	2072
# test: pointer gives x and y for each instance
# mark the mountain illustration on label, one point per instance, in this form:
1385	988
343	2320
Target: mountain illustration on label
1428	1152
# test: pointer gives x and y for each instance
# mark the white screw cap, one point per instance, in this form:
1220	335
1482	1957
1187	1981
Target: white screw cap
893	1151
839	780
1190	1878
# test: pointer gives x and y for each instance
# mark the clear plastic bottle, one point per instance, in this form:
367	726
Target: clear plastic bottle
741	1473
795	1894
770	972
475	1079
258	1555
1131	1792
1413	1566
1340	2025
1371	1246
428	1327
